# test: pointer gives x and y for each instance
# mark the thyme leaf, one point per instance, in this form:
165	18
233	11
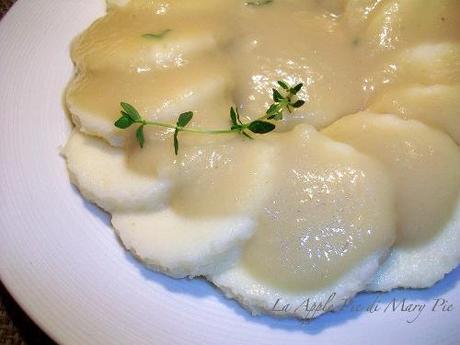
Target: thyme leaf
284	99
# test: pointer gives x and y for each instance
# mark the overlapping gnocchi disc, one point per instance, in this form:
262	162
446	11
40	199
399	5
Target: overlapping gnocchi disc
331	88
123	182
322	232
423	265
182	246
148	63
147	40
391	24
293	217
425	166
435	105
430	63
103	176
261	298
217	186
187	215
426	64
203	89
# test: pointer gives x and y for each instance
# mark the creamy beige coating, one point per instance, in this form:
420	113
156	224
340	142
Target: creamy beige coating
435	105
382	27
387	32
344	52
212	176
391	24
330	208
205	95
302	47
320	206
116	40
424	163
203	82
430	63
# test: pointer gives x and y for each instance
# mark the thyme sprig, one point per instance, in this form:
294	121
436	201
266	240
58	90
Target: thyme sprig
284	99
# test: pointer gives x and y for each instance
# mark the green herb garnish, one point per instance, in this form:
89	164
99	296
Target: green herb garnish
284	98
156	36
258	3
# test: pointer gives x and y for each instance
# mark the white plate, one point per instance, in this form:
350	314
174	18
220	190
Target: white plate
61	261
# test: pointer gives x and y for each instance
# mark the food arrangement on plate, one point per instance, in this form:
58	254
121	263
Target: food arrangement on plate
285	150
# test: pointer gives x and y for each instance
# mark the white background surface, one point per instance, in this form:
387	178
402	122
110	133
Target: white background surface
60	259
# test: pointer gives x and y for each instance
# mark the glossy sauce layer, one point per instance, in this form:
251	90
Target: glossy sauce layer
424	163
321	207
329	208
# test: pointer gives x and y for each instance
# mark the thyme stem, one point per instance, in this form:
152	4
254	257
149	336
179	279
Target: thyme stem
261	125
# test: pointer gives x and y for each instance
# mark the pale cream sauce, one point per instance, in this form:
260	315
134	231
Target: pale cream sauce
424	163
324	206
343	51
329	208
317	205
